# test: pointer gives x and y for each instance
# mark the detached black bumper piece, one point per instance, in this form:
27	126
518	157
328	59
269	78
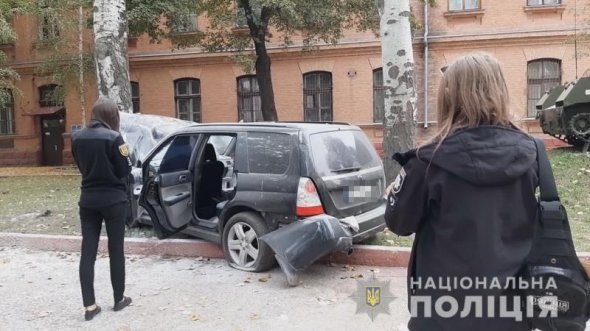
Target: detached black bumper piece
300	244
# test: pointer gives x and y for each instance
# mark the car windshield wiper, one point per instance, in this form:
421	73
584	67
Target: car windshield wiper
349	169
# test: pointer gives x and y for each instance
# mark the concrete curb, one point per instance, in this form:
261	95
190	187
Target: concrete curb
379	256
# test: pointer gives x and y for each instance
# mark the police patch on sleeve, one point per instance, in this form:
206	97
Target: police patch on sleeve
391	200
399	181
124	150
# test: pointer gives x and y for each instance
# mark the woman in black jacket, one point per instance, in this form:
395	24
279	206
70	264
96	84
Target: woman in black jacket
103	159
469	197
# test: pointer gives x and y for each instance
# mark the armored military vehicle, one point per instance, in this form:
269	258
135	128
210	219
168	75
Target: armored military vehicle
564	113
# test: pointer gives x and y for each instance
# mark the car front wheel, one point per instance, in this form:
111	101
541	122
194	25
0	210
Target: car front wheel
242	246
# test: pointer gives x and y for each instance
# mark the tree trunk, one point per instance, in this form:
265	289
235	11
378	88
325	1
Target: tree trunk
263	75
399	123
110	52
82	87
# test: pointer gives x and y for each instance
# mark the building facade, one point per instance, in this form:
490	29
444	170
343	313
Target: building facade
533	39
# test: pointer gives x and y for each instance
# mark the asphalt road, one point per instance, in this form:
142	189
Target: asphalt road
40	291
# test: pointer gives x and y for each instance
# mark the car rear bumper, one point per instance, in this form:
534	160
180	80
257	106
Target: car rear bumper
370	223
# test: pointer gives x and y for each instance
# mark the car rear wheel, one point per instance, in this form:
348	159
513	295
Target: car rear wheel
242	246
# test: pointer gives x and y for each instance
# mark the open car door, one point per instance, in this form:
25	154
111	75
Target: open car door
167	189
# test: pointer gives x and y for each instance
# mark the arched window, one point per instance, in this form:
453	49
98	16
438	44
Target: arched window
543	75
7	126
249	108
378	96
187	93
317	97
135	96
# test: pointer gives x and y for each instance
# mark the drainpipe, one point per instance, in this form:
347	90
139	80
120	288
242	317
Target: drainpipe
426	65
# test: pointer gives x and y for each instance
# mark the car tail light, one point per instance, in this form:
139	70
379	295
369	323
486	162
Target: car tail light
308	200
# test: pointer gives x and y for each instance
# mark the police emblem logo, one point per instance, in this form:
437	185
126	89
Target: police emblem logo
399	181
373	297
391	200
124	150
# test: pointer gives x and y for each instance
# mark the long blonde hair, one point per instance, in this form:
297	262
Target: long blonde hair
472	92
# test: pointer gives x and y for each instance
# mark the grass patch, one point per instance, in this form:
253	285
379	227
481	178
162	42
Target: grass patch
40	204
572	175
49	204
45	204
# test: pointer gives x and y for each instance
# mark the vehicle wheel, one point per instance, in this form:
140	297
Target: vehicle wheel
241	245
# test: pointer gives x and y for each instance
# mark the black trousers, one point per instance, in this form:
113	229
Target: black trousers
91	220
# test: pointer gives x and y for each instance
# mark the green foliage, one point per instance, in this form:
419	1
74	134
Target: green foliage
8	9
155	18
64	62
315	21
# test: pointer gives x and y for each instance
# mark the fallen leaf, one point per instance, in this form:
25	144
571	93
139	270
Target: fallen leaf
263	280
195	317
254	317
42	314
348	268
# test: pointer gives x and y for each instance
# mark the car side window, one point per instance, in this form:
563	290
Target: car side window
174	156
268	152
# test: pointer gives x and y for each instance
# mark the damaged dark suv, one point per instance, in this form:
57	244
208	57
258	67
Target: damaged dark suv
233	183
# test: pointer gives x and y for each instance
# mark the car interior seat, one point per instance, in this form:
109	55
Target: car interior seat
210	190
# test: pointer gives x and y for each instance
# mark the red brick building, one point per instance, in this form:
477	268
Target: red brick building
531	38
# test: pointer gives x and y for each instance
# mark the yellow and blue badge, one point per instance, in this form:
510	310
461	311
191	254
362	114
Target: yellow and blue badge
373	297
124	150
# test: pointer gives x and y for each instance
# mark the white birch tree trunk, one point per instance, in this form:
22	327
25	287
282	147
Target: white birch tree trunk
110	52
399	123
82	88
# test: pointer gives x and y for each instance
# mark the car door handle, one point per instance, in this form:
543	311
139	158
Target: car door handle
182	179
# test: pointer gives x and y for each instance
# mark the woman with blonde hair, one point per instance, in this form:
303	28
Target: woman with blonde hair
469	196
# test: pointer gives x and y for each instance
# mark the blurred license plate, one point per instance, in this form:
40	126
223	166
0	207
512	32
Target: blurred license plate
359	193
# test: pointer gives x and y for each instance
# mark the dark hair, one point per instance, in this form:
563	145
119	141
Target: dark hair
106	112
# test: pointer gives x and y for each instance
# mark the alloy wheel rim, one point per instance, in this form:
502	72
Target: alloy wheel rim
243	245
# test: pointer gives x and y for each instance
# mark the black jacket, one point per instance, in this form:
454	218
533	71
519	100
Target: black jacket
103	160
472	205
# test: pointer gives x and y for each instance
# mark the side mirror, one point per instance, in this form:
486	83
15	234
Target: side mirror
138	164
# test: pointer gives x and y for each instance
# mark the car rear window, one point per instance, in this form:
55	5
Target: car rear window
338	152
269	153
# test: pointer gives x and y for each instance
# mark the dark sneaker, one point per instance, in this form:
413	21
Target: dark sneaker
122	304
89	314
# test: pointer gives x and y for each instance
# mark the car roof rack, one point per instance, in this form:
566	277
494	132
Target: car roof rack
314	122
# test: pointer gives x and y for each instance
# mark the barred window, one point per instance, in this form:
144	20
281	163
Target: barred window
317	97
249	106
241	20
48	21
543	75
50	95
456	5
534	3
7	125
183	23
188	99
135	96
378	96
